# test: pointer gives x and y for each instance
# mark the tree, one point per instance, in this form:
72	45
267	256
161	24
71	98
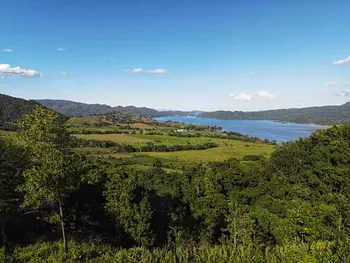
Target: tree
56	170
13	160
128	202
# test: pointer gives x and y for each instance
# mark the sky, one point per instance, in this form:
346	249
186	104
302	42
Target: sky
186	54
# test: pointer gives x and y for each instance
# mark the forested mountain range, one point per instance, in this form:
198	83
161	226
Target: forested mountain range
318	115
11	109
71	108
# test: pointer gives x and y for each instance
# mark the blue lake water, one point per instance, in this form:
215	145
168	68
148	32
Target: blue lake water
271	130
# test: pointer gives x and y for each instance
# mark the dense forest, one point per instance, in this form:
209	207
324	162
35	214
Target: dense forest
56	205
327	115
11	109
71	108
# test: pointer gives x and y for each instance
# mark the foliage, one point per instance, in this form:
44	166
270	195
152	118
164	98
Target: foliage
290	207
127	201
11	109
318	252
55	173
13	160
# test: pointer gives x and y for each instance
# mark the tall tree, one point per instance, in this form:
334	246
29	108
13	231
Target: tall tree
56	170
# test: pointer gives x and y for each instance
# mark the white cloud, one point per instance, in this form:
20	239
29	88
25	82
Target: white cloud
250	96
134	71
2	77
243	97
65	73
343	61
345	93
337	83
17	71
265	94
151	71
7	50
157	71
60	49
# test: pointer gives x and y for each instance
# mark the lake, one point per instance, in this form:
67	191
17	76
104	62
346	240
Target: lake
271	130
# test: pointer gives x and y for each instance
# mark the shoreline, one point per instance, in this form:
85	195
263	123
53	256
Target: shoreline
282	122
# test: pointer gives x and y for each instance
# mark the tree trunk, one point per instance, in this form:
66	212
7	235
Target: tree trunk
63	229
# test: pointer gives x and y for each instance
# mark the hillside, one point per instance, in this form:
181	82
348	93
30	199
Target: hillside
72	108
318	115
106	119
11	109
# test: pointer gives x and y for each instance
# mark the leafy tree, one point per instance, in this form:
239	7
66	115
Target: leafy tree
56	169
127	202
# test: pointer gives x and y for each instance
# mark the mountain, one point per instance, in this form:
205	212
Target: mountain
326	115
11	109
72	108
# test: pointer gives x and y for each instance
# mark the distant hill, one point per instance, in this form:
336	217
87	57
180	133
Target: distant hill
11	109
319	115
71	108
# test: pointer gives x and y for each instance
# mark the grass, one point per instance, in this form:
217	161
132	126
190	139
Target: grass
156	139
52	252
119	138
236	149
226	148
172	140
75	121
142	126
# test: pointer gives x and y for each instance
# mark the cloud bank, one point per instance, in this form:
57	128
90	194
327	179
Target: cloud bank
151	71
242	96
342	61
17	71
337	83
65	73
265	94
251	96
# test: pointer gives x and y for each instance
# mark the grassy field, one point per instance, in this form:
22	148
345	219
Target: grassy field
226	148
235	149
86	120
156	139
120	138
142	126
172	140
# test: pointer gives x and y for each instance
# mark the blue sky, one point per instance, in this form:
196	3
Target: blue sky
207	55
